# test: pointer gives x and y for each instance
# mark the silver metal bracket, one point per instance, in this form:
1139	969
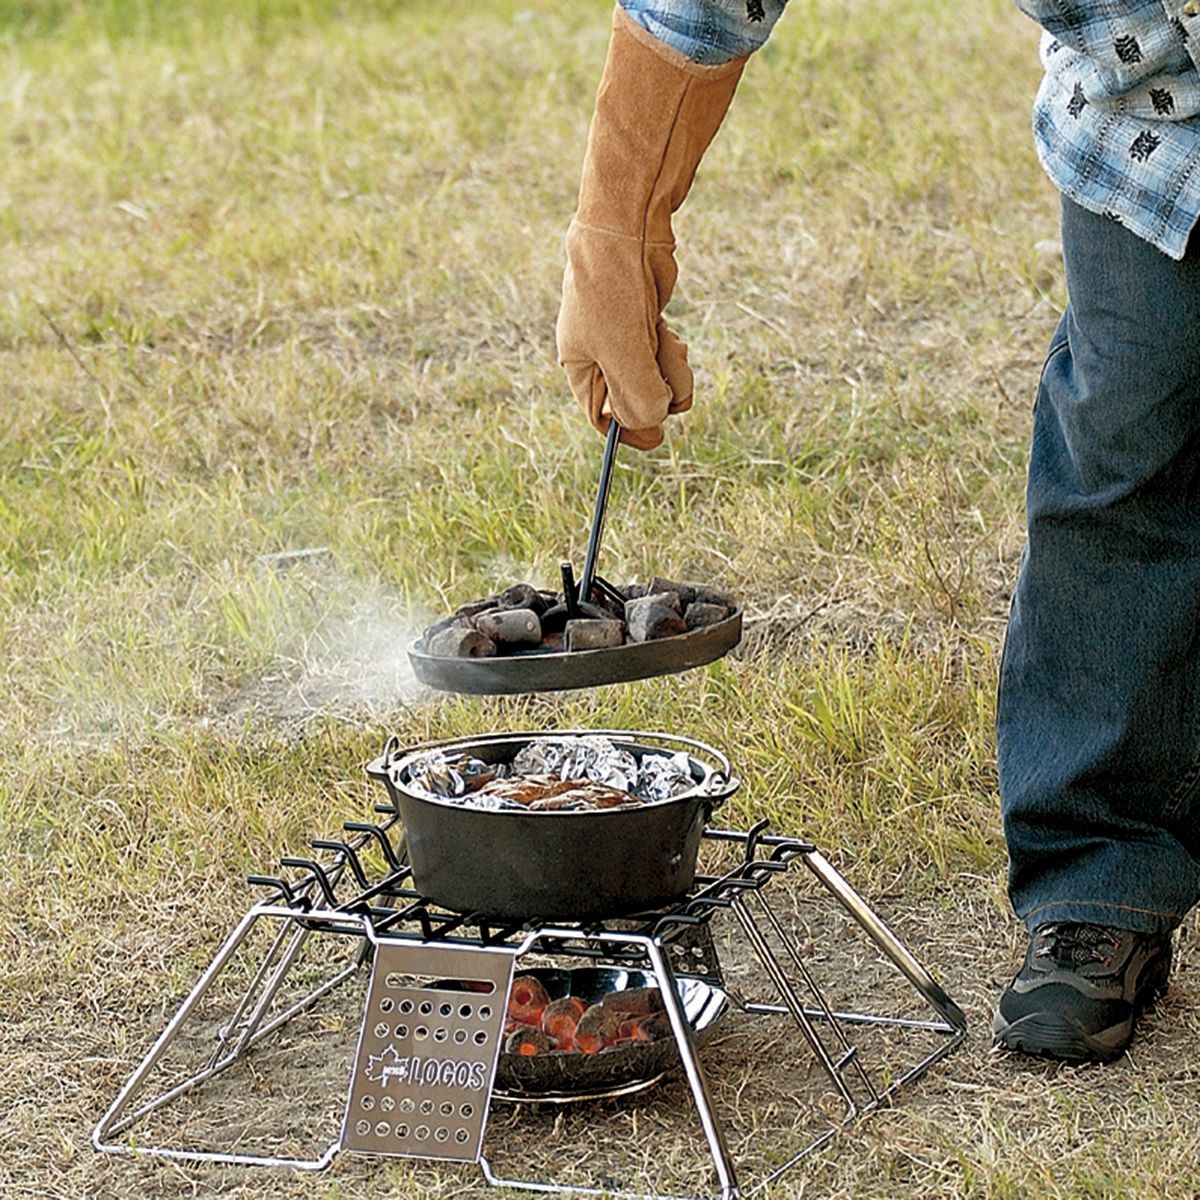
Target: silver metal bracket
427	1051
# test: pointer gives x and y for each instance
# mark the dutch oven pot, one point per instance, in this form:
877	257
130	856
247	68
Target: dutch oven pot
546	866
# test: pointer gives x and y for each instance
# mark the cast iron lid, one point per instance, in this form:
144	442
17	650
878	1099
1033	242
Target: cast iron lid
538	670
560	670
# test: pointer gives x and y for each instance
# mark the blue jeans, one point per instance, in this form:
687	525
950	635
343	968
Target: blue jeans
1098	721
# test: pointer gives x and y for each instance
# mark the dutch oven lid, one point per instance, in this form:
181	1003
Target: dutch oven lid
539	670
561	670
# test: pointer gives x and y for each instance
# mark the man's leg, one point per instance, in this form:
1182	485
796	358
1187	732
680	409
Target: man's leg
1098	723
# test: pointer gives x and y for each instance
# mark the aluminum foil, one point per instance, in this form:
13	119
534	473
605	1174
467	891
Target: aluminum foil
591	759
446	775
662	776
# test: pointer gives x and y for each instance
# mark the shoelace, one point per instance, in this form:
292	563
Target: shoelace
1078	945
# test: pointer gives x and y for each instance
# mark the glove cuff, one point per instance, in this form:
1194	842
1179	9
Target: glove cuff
656	113
627	25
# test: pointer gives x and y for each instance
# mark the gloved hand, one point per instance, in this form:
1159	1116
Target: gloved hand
656	113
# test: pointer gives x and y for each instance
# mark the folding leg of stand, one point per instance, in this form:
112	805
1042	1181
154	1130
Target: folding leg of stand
238	1036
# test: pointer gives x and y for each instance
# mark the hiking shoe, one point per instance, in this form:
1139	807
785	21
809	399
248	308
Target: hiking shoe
1079	991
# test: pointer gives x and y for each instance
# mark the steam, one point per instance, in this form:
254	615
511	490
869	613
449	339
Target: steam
291	638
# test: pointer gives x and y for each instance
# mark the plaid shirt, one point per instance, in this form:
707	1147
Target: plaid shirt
1116	119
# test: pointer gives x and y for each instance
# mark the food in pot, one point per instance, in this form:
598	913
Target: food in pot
589	757
523	619
454	775
553	775
545	793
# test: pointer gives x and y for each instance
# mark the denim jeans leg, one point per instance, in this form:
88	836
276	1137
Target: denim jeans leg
1098	721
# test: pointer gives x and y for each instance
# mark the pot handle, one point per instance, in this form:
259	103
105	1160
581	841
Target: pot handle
379	768
722	786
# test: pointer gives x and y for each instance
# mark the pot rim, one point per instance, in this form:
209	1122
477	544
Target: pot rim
716	784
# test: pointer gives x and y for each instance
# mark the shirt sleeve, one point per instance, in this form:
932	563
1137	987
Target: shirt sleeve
707	31
1126	44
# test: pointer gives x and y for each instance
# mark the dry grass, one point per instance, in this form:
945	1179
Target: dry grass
283	276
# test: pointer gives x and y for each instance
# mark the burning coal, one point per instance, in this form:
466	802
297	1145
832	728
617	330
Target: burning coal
535	1024
524	620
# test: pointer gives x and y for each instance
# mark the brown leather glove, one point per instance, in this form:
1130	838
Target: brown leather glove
656	113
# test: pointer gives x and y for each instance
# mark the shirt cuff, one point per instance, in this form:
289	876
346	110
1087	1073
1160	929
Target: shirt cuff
709	32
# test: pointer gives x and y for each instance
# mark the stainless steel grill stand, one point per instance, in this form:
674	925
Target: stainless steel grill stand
412	948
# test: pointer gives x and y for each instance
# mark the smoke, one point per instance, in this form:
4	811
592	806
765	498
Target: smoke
347	653
284	638
361	658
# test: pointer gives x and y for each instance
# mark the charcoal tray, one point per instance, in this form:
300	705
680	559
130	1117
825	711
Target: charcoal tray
567	1078
560	670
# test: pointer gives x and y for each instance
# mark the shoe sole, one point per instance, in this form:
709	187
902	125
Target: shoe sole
1050	1035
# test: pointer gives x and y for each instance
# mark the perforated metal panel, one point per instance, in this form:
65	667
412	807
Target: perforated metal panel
431	1035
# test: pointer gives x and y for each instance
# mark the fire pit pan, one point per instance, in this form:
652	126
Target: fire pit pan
558	670
514	865
560	1078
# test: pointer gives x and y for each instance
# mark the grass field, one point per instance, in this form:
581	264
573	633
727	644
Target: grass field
282	274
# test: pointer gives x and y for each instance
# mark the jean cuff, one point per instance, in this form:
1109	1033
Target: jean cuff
1101	912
